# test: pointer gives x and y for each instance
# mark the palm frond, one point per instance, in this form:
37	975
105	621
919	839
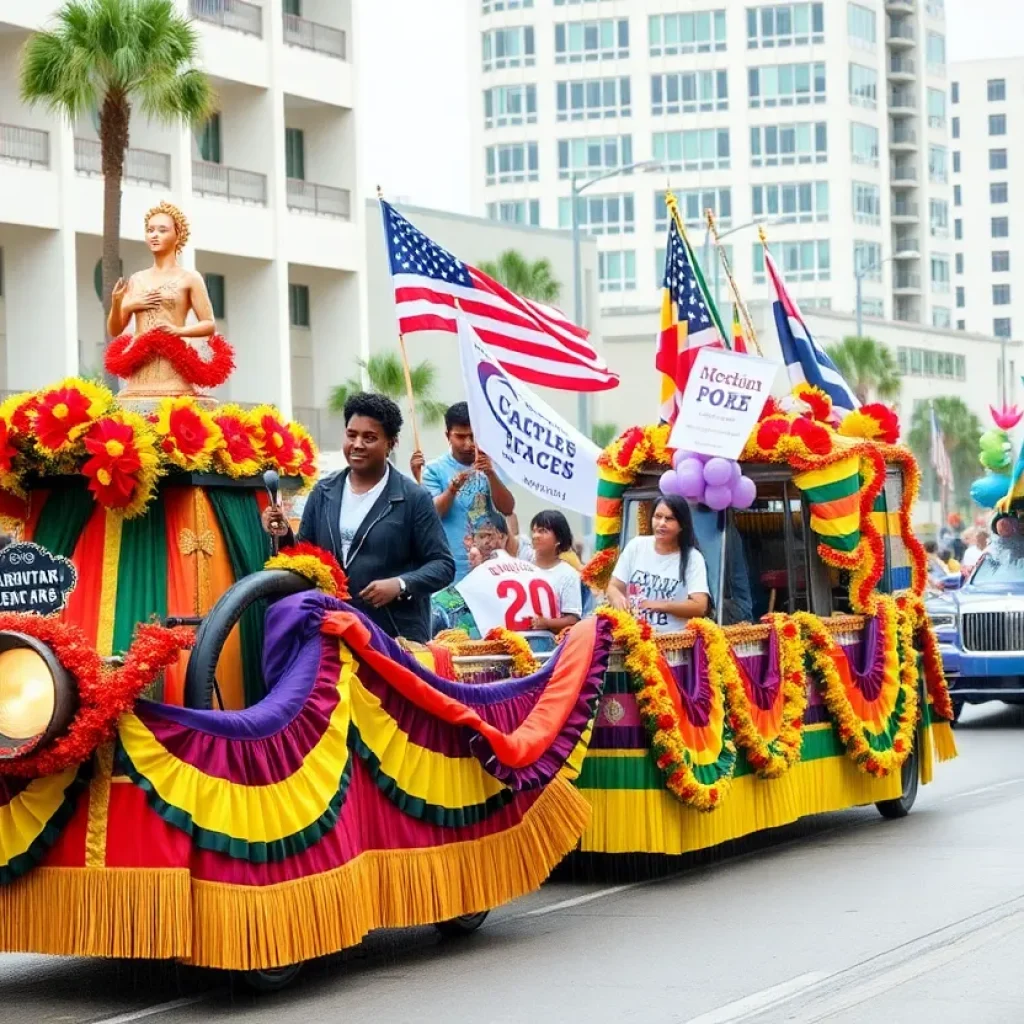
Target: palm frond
431	411
342	393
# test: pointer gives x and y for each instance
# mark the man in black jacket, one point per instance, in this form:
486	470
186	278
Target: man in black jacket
381	526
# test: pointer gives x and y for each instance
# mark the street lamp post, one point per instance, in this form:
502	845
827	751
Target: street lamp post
726	234
859	273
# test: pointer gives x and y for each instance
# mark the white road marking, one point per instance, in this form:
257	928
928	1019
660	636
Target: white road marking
152	1011
985	789
579	900
743	1008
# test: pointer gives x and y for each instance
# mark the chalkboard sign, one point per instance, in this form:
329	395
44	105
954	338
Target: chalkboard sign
33	580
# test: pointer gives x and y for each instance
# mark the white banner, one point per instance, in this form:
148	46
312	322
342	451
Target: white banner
524	436
510	593
724	396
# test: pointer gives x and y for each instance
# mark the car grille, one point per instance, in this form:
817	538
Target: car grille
993	631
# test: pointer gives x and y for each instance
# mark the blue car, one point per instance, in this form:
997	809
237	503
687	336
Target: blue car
980	627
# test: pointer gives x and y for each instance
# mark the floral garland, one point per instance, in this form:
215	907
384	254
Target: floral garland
911	488
925	641
127	354
124	464
104	694
524	661
239	456
189	434
315	564
772	758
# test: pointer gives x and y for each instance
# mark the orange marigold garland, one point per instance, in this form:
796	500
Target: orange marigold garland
925	641
318	566
188	434
127	354
524	661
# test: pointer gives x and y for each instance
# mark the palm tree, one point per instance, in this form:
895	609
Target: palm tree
961	431
602	434
868	367
386	376
108	55
534	280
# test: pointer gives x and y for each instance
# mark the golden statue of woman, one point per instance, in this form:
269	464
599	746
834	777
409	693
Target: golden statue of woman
166	356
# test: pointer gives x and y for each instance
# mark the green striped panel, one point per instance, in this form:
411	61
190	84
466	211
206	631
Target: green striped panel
141	574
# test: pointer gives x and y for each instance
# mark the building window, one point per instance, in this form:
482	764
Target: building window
956	161
867	258
600	215
694	150
926	362
518	211
593	99
799	261
594	156
864	144
996	90
997	160
298	305
954	92
1000	261
936	108
1000	295
692	206
941	317
688	92
997	124
955	127
1000	227
956	195
868	307
514	162
786	85
786	144
940	273
507	5
958	229
507	105
959	261
1001	327
860	22
295	7
938	218
509	48
998	192
937	164
863	86
726	250
935	48
785	25
295	153
604	39
215	287
791	203
208	140
699	32
960	302
961	325
867	203
935	8
617	271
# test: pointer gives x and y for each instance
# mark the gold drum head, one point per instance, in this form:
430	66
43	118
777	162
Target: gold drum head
27	695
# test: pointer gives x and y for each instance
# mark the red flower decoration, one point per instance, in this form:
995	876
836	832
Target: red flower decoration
666	721
814	435
789	631
307	467
770	432
887	420
279	443
771	408
115	464
57	413
7	449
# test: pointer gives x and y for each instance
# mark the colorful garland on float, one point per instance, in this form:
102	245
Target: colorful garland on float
925	641
77	428
524	661
104	693
127	354
315	564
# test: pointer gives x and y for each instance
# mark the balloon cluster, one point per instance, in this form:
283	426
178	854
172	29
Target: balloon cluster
996	456
717	483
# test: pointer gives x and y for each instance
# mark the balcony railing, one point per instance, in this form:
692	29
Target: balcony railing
238	15
902	66
906	245
142	166
24	145
904	174
311	36
902	98
228	183
322	200
903	134
906	279
904	208
899	30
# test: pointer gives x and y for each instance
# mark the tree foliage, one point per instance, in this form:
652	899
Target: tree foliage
532	280
385	376
868	367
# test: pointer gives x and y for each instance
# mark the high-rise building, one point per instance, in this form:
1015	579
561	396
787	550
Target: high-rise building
825	120
266	183
987	127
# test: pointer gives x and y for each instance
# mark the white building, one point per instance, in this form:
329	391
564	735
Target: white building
986	100
826	119
267	185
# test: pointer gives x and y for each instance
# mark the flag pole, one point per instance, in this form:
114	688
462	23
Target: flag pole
408	380
748	324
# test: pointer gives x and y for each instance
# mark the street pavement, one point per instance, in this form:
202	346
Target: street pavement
843	918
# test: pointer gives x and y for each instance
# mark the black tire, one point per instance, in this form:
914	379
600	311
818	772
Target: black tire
958	707
200	676
465	925
900	807
273	979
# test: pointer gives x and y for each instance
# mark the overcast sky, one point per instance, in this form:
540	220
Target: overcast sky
413	85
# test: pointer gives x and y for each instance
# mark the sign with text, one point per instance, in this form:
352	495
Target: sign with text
510	593
724	396
525	437
33	580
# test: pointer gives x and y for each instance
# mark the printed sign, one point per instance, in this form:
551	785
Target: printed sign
508	592
724	396
33	580
524	436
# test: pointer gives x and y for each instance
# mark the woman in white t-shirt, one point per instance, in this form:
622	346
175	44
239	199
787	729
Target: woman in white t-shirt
550	538
663	578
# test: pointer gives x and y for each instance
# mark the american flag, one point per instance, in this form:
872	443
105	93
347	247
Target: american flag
534	342
689	321
939	455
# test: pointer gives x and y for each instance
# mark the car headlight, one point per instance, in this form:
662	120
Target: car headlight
943	620
37	695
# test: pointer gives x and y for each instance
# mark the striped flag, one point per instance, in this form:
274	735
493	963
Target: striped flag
739	342
806	361
533	342
689	321
939	457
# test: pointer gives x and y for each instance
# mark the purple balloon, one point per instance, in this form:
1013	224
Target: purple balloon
669	482
717	497
691	479
718	473
736	472
682	455
744	491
